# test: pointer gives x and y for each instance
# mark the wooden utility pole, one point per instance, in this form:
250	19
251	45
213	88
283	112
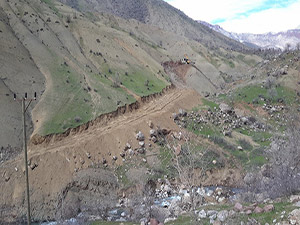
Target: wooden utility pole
24	109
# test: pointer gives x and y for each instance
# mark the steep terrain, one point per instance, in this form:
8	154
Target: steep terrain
280	40
102	70
95	63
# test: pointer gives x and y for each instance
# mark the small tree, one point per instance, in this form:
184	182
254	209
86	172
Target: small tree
191	165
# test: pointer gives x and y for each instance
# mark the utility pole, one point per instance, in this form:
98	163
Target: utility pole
24	109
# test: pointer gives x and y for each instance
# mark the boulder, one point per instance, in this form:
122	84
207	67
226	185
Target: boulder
269	208
154	221
258	210
225	108
248	212
140	136
238	207
294	216
202	214
294	198
153	133
222	215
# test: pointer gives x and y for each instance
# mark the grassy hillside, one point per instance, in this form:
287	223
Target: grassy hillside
84	64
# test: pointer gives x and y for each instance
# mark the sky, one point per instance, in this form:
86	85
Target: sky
244	16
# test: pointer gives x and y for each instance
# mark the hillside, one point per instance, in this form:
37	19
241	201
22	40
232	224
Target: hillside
160	14
125	129
95	63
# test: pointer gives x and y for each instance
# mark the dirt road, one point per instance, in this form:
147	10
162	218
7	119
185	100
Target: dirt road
54	164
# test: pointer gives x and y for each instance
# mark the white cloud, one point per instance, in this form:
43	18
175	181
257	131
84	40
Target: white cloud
276	19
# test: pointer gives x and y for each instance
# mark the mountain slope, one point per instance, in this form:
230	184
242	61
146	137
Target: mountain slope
85	65
160	14
268	40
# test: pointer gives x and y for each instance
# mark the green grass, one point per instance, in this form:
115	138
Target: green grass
249	93
212	105
71	97
264	218
121	174
113	223
166	163
182	220
51	6
66	101
135	81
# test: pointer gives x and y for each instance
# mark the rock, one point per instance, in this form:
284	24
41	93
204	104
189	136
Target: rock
175	116
248	212
240	148
115	157
258	210
153	133
269	208
202	214
151	125
177	150
297	204
169	220
122	154
217	223
294	216
131	152
140	136
141	150
221	199
238	207
153	221
154	139
294	198
142	144
144	160
225	108
222	215
127	146
212	214
123	214
182	112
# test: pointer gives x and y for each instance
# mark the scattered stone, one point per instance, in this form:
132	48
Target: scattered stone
248	212
140	136
151	125
142	144
294	198
225	108
222	215
122	154
153	133
153	221
115	157
238	207
268	208
202	214
258	210
182	112
294	217
88	155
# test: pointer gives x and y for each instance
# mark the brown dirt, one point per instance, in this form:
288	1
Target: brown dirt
57	161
